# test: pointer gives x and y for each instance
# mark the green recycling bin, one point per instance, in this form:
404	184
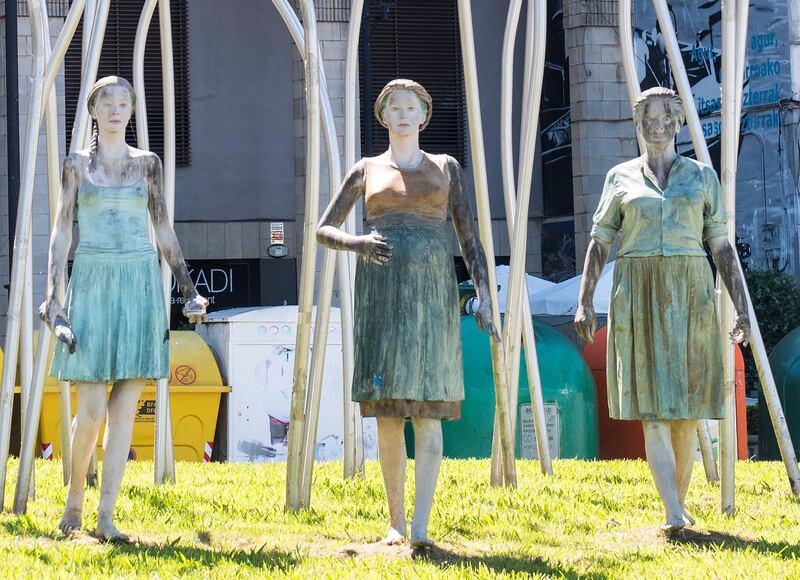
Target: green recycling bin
568	390
785	363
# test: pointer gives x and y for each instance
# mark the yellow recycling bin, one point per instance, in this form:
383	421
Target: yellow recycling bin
195	387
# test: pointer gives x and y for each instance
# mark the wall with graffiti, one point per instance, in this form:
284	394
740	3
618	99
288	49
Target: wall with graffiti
767	197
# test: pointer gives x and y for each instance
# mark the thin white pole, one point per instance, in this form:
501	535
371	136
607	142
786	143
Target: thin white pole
325	289
628	58
353	463
707	451
728	182
54	185
509	195
164	464
31	422
306	298
142	133
485	225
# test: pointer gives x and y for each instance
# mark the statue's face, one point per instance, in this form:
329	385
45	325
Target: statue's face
659	125
113	109
403	113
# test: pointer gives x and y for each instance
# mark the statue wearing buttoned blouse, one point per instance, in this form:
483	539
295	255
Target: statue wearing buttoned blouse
664	353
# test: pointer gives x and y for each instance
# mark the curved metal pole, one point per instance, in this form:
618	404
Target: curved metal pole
22	239
628	58
485	226
54	186
538	31
353	463
30	423
728	182
306	298
164	462
507	163
142	134
329	261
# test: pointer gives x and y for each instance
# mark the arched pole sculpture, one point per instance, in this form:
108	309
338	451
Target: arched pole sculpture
528	134
502	410
311	409
353	436
21	247
297	419
79	131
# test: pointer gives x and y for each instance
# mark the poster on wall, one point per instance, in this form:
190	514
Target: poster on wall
766	196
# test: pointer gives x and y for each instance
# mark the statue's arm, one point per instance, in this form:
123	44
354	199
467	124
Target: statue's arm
596	258
61	236
470	244
725	257
52	311
329	233
167	240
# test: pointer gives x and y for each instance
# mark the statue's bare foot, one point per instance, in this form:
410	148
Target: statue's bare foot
674	523
421	542
689	520
70	521
393	538
106	532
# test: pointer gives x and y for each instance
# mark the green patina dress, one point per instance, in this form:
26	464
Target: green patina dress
407	330
115	301
664	351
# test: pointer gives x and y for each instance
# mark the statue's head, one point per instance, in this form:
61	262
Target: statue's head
658	114
111	101
403	106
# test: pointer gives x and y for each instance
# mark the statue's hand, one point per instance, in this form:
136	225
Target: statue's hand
52	313
195	309
585	322
64	333
483	316
741	329
374	248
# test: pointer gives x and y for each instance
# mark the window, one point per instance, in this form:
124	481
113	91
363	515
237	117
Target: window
117	59
419	40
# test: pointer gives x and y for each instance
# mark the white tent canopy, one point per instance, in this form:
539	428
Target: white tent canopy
562	299
534	285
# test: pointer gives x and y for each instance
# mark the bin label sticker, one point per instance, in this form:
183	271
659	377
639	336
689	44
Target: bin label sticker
146	413
552	419
185	375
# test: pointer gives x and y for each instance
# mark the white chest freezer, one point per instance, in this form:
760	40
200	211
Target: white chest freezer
254	348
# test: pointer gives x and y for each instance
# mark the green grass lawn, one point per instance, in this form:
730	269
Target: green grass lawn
592	519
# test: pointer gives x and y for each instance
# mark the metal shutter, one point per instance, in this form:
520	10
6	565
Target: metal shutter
419	40
117	59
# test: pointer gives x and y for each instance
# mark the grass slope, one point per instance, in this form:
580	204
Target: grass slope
593	519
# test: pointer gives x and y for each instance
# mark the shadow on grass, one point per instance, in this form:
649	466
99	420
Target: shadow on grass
702	538
191	557
496	562
24	526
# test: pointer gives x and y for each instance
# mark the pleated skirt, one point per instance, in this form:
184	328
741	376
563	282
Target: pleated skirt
664	345
407	329
115	306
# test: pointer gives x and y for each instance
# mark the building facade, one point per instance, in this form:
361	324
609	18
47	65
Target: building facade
240	178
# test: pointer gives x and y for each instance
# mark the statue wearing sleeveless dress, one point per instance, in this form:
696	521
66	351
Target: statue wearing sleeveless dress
113	325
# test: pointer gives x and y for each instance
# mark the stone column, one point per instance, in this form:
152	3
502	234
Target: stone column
602	130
